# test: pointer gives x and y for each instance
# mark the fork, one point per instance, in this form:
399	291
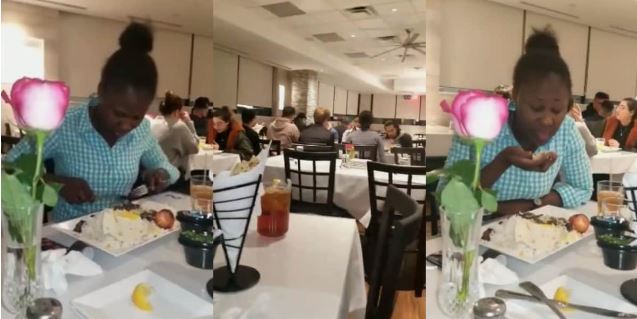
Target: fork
535	291
138	192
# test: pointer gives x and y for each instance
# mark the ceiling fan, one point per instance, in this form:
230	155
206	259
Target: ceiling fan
408	44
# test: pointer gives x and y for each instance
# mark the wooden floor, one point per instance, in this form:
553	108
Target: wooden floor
408	306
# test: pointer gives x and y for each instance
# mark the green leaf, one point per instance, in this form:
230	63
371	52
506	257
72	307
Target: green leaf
489	200
49	195
435	175
458	199
463	169
15	195
26	164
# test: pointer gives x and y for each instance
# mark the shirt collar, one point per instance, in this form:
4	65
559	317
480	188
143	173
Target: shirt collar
85	125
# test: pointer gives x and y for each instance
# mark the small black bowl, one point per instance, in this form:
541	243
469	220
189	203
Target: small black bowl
611	226
617	256
191	220
199	254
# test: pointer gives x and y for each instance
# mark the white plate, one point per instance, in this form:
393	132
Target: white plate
168	300
608	149
580	294
546	210
67	228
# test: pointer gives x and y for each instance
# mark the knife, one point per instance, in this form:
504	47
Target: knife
539	294
506	294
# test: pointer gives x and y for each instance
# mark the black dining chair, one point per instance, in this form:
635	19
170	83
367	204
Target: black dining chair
377	196
398	225
312	147
368	152
416	155
419	143
275	148
306	191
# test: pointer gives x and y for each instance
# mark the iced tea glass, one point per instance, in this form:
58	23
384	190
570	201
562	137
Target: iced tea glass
201	193
275	209
611	193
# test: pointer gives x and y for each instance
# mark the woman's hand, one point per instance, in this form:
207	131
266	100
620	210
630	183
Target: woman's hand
74	190
576	114
156	180
525	160
215	146
613	143
183	115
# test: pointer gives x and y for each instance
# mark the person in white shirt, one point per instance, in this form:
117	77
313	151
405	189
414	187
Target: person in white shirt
589	140
353	126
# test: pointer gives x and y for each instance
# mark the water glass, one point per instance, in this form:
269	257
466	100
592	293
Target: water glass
610	192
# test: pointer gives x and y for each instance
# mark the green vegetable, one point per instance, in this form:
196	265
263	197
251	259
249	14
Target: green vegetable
198	236
615	240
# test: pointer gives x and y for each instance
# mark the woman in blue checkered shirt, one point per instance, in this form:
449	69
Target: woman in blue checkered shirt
539	142
99	148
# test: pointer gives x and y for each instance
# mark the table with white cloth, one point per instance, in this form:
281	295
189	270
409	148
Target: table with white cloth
582	261
314	271
207	160
351	186
613	162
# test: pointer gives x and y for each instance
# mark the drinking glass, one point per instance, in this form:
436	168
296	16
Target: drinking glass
611	192
275	209
201	193
600	142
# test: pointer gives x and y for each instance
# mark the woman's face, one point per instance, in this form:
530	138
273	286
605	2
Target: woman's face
390	131
623	113
541	109
120	112
219	124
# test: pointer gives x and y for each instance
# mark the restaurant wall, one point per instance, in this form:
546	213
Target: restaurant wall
471	57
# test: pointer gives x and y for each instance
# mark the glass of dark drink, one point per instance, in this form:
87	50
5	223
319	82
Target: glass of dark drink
275	209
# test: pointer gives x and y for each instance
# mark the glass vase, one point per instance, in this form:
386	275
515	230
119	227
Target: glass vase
21	250
458	288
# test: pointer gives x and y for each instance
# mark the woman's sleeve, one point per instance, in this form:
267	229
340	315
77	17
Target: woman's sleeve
154	157
589	139
27	146
458	151
188	141
244	147
577	183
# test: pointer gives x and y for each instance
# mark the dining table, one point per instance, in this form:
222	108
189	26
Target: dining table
351	186
614	163
314	271
212	160
581	261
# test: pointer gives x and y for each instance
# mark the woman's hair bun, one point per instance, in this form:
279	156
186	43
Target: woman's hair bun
542	40
137	37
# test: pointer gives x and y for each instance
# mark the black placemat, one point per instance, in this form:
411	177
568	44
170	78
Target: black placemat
629	290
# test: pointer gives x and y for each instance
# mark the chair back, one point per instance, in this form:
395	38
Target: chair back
390	173
399	225
416	155
631	199
312	147
419	143
275	148
368	152
312	174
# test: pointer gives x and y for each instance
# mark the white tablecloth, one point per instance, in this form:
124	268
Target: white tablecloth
351	185
583	261
315	271
613	162
206	160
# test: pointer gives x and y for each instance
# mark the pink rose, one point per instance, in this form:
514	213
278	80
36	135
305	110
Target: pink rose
476	115
38	104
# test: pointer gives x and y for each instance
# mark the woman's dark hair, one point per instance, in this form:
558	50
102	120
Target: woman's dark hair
541	58
224	113
201	102
131	65
365	118
394	124
247	115
172	102
632	106
288	111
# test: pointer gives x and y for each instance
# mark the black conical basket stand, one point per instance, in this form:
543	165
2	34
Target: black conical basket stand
244	277
628	289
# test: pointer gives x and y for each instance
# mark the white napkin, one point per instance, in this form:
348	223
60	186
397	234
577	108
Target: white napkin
56	265
233	229
259	309
495	272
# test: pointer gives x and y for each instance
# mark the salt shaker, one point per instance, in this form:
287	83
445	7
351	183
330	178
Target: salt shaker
45	308
489	308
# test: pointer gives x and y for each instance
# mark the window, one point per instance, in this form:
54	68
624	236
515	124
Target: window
281	96
22	55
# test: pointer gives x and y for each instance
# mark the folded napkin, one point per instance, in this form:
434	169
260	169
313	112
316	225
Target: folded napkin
494	271
259	309
56	264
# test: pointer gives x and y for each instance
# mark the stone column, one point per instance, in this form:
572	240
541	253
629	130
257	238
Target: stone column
304	91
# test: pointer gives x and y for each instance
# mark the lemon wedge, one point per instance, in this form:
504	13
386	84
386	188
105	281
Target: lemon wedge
128	215
140	297
562	295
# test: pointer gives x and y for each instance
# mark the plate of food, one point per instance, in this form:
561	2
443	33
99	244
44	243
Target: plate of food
142	295
123	228
537	234
566	289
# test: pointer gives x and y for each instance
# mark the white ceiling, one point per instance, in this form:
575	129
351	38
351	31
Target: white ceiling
617	16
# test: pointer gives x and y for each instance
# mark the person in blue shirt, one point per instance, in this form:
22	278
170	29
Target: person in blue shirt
99	148
539	143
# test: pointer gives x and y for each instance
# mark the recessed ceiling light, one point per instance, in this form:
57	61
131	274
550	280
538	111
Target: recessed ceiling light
353	35
394	10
